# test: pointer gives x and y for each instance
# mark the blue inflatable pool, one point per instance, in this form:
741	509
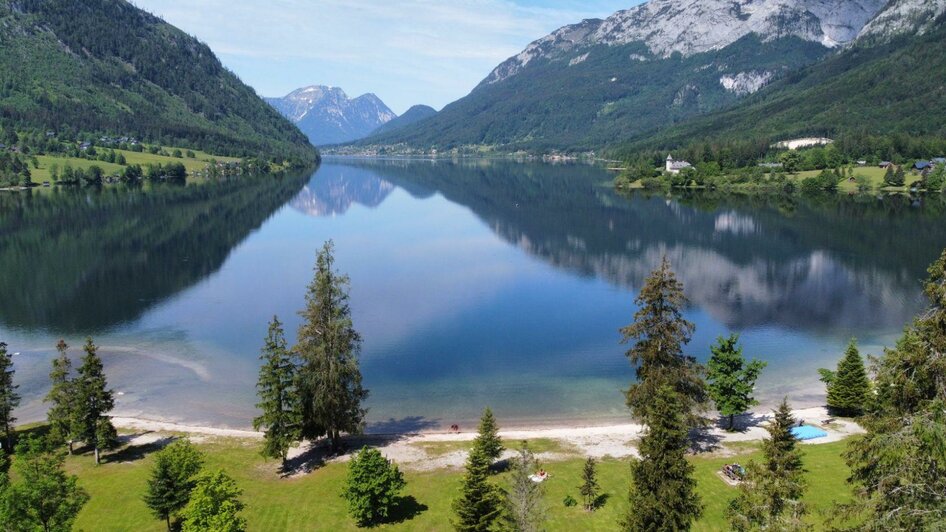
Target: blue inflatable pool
807	432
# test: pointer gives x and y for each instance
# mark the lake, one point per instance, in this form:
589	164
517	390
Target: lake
474	283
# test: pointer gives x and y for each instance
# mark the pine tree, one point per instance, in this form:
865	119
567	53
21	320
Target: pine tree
487	438
525	511
589	485
277	393
173	477
889	177
94	402
62	396
214	505
329	378
478	507
849	386
899	177
898	467
663	492
659	333
731	379
770	496
9	399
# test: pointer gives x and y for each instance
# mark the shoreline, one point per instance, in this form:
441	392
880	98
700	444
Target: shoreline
410	425
415	449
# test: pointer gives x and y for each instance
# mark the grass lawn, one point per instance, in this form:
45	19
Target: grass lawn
312	502
200	160
874	174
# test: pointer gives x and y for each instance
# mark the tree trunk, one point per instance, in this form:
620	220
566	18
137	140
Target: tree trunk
96	455
732	421
336	442
168	517
70	446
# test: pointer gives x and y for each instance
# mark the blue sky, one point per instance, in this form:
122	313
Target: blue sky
405	51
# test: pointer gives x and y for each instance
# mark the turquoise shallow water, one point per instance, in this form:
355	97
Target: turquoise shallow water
474	283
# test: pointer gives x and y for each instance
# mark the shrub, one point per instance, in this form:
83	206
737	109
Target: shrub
372	488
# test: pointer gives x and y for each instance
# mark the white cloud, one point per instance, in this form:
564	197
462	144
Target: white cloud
406	51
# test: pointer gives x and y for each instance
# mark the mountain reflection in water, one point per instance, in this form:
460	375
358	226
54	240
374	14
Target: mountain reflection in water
474	283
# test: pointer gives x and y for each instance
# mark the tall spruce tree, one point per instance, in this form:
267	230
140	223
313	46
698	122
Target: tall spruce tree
658	334
731	379
329	378
487	437
525	510
849	386
9	399
62	413
770	496
93	403
589	489
479	505
663	493
277	395
898	467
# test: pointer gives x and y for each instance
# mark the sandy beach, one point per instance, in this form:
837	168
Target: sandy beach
437	449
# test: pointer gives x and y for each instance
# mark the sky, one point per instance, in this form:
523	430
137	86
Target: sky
406	51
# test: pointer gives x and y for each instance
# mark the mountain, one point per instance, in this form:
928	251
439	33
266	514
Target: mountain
105	66
892	87
327	116
413	115
654	66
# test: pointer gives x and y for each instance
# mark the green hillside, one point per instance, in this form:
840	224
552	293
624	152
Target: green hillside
897	88
602	98
107	67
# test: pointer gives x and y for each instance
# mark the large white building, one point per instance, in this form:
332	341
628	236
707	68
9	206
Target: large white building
674	167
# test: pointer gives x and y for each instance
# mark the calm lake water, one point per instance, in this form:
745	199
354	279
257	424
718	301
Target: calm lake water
473	283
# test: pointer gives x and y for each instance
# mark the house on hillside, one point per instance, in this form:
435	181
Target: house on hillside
919	166
938	161
674	167
886	164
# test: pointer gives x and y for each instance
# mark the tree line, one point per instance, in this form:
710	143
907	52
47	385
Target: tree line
670	398
313	390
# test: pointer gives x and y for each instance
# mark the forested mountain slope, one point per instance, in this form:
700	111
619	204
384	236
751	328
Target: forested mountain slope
660	65
105	66
896	87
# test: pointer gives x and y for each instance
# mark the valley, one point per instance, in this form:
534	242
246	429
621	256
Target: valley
512	265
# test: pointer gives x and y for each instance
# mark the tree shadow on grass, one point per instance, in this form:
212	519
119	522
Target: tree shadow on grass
132	453
501	466
405	509
315	454
601	500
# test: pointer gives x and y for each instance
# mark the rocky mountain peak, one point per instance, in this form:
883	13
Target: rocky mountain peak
327	115
690	27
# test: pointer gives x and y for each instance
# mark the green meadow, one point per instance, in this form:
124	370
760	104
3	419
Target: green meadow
198	162
312	501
